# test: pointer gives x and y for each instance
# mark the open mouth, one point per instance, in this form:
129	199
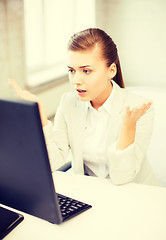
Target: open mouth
81	91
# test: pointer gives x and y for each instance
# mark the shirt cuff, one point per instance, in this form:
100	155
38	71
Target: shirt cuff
122	160
48	129
124	151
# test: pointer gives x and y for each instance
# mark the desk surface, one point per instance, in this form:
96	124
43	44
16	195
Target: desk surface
128	212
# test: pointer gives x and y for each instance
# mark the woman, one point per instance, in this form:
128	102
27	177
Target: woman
106	127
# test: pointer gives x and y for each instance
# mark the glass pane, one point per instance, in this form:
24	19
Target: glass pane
34	40
48	27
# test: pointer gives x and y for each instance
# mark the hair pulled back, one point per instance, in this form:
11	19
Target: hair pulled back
87	39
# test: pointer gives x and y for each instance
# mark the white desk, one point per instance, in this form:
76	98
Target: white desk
129	212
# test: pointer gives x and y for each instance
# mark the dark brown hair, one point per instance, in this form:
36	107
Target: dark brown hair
87	39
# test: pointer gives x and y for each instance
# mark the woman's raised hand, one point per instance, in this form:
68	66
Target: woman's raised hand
23	94
132	114
26	95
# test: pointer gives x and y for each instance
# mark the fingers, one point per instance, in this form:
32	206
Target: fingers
134	113
13	84
128	109
23	94
147	105
142	107
16	87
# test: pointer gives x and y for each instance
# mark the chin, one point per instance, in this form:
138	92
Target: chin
84	99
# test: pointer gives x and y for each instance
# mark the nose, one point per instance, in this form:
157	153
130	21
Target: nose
77	79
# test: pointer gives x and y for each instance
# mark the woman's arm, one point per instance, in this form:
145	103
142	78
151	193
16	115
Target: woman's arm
126	154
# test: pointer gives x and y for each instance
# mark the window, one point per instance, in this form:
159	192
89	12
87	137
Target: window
48	27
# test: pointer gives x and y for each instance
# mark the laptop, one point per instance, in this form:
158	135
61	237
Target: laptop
26	182
8	221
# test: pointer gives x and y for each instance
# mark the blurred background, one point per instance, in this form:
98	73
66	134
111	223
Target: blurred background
34	35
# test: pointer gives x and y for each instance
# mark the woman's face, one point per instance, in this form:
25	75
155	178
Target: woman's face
90	76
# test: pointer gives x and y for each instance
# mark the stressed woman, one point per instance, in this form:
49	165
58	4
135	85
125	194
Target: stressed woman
106	127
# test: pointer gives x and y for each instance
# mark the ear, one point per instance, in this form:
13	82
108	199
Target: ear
112	70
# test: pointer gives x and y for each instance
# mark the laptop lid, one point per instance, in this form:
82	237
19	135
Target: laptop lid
26	180
8	221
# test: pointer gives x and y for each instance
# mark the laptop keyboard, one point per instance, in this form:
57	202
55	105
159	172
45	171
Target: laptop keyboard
70	207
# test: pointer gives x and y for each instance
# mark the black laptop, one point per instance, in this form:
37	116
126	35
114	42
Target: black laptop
8	221
26	181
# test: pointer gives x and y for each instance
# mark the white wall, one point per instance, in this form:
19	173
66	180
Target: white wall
11	44
138	28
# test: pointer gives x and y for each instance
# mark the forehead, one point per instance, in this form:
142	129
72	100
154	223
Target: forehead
82	58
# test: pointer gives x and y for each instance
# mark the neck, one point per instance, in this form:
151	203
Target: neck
98	102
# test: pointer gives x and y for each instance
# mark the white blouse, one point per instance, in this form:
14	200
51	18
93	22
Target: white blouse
96	139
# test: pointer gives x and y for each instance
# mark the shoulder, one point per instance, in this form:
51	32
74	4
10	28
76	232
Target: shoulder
69	100
127	97
133	98
69	96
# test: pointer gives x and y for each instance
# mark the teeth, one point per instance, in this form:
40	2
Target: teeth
81	90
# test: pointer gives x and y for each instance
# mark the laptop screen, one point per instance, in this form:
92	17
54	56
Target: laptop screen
26	180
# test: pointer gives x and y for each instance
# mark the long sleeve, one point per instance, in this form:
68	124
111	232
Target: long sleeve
57	139
125	165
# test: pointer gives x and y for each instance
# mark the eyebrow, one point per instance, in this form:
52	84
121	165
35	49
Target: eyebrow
82	66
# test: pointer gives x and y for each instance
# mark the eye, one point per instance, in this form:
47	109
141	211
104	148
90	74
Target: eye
86	71
70	70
